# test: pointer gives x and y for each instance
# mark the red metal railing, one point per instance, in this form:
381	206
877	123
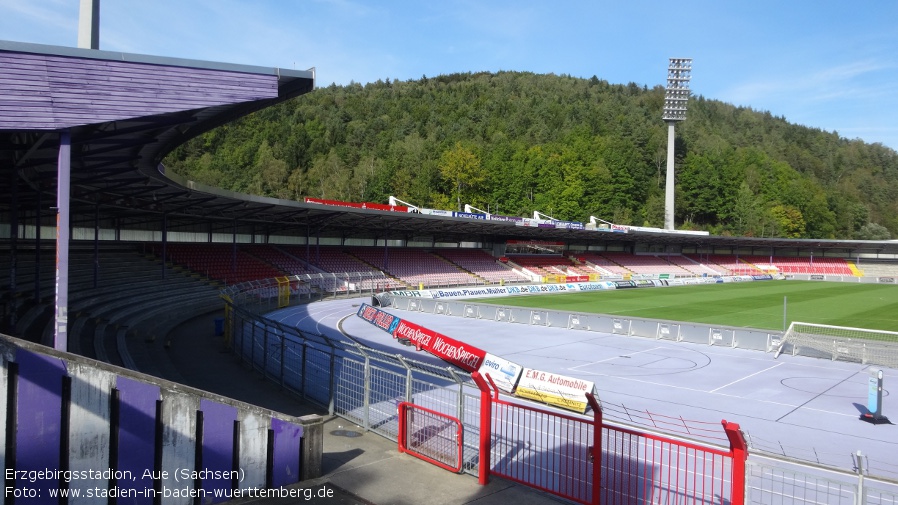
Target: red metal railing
556	453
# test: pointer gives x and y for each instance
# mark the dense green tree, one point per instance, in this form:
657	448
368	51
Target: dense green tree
564	146
461	168
788	221
873	231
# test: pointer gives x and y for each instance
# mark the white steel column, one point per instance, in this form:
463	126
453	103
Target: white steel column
61	336
669	185
89	24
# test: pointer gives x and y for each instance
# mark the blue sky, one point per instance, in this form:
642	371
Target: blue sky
825	64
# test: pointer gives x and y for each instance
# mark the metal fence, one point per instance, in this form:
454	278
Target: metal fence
734	337
366	386
779	481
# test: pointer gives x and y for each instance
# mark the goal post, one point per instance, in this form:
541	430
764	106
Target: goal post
862	345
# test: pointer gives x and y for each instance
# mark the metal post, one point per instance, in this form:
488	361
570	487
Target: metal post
486	428
409	383
283	356
265	353
596	454
669	183
366	401
96	246
331	383
234	253
37	248
64	166
739	453
252	347
302	374
164	240
784	312
13	249
859	499
89	24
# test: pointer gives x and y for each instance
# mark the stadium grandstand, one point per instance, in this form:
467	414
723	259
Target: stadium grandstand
102	249
137	233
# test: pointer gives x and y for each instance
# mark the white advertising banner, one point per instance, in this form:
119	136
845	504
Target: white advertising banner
553	389
505	374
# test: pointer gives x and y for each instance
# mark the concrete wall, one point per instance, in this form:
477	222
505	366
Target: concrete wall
90	428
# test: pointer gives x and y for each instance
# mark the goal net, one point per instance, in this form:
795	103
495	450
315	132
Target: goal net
874	347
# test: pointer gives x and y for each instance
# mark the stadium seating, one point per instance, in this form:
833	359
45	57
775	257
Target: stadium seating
415	266
279	258
316	262
603	265
544	265
728	265
646	264
482	264
218	261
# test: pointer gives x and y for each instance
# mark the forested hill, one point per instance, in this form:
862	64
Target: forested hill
512	143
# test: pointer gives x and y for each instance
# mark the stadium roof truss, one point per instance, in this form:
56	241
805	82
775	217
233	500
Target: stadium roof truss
125	112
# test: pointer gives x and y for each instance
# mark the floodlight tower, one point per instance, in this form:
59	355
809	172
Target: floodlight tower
675	97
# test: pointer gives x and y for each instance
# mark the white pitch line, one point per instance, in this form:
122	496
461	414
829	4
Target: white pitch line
746	377
614	357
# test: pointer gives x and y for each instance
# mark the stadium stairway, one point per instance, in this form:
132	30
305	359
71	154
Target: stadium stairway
461	268
855	271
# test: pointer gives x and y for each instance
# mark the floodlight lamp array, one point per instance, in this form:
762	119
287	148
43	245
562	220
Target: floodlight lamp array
677	93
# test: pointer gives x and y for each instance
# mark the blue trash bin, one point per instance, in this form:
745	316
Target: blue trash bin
219	326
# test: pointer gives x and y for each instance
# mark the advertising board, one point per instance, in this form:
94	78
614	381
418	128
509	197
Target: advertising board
553	389
505	374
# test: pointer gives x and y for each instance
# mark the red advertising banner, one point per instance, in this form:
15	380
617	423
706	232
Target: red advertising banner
446	348
577	278
362	205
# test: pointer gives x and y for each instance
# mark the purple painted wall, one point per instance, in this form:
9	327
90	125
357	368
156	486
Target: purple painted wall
218	444
285	460
137	435
49	92
38	421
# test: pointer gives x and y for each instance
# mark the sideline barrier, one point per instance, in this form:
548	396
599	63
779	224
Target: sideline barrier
736	337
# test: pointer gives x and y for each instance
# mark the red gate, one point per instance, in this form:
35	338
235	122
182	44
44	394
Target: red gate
431	436
555	452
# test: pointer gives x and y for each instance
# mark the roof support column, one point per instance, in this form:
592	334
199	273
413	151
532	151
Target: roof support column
37	246
234	252
164	241
13	252
64	173
308	244
96	245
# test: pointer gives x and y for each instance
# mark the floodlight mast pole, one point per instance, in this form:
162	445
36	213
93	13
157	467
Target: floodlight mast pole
676	95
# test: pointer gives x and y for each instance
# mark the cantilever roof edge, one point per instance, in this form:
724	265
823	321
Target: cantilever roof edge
99	54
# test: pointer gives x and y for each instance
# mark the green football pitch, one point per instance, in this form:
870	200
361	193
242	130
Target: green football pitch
744	304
